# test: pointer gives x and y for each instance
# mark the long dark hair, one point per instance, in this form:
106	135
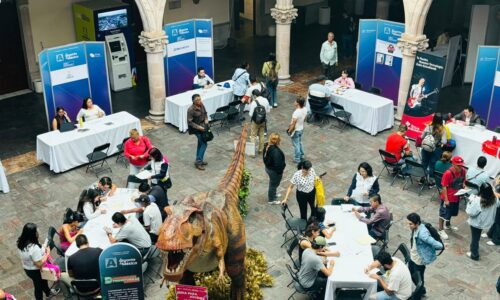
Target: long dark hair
437	123
155	153
86	196
84	104
367	167
487	195
28	237
310	229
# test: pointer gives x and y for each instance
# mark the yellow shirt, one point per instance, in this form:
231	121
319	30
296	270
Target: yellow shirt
266	68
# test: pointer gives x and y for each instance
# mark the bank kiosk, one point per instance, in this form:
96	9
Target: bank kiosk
118	62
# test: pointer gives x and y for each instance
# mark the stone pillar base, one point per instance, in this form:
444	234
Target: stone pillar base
156	118
284	81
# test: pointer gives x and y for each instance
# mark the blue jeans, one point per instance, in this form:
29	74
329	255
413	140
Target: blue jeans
272	90
383	296
429	160
200	148
297	146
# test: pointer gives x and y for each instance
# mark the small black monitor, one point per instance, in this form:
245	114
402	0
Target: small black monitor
115	46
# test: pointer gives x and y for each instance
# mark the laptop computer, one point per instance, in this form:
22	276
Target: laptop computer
66	127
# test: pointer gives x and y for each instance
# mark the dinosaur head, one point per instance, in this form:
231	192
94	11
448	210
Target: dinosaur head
181	237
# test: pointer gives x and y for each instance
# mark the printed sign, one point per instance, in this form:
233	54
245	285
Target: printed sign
189	292
423	97
120	266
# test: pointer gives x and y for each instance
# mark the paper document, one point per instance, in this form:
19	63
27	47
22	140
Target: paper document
366	240
145	174
462	192
346	207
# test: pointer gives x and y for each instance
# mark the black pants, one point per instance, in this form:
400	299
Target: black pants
319	286
494	232
41	286
306	198
474	242
274	182
329	71
421	269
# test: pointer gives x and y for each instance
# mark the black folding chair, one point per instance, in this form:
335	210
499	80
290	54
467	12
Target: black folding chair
86	288
392	166
319	106
418	171
289	250
358	85
375	90
220	117
291	223
437	177
235	112
497	130
343	116
404	251
121	156
384	240
350	293
52	243
98	156
298	287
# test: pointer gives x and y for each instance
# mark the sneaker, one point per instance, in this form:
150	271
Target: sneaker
204	163
278	195
275	105
469	255
484	235
277	202
199	166
490	243
443	234
53	292
454	228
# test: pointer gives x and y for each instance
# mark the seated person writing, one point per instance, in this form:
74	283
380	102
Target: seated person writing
379	219
363	186
151	216
313	274
157	195
88	205
104	187
83	264
202	80
396	283
69	229
319	97
60	118
130	230
326	230
345	81
305	241
468	116
89	111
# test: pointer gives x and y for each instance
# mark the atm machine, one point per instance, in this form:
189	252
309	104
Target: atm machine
118	58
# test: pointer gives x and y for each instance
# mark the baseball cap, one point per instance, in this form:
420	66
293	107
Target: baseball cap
320	241
457	160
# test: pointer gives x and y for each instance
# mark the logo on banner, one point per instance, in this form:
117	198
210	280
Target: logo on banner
184	31
202	30
59	58
175	32
111	263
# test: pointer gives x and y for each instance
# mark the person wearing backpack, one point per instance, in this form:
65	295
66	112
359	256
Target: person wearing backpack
453	180
270	71
424	241
258	114
481	210
433	137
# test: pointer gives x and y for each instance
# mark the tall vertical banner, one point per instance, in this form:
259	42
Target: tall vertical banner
71	73
120	266
379	59
190	45
422	100
485	93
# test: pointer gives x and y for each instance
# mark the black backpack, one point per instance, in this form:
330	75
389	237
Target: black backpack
264	92
435	235
259	114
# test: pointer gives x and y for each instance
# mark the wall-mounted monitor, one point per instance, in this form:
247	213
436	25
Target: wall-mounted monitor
115	46
112	19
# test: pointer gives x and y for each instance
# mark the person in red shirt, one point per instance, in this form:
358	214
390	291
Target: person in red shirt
136	150
452	181
398	145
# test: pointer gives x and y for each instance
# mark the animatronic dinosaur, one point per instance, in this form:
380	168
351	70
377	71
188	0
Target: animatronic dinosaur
205	231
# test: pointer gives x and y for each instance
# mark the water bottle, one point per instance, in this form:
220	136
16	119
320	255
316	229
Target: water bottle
80	122
494	140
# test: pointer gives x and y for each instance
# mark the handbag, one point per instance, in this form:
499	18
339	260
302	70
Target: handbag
320	192
207	134
50	271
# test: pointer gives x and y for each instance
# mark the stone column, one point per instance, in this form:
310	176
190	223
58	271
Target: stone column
411	41
383	9
283	13
27	39
153	39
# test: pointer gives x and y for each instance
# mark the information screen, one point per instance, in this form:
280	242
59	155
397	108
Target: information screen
115	46
112	19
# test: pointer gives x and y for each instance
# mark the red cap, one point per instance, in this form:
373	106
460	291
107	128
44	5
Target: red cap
457	160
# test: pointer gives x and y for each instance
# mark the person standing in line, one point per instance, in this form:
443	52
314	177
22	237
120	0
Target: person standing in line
433	138
303	179
296	128
274	160
259	108
197	120
423	247
241	80
481	210
33	256
270	71
136	150
494	232
328	56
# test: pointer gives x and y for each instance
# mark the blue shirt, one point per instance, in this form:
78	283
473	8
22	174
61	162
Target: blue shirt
241	80
426	245
477	176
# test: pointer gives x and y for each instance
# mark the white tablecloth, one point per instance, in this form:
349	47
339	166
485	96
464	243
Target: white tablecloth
470	144
176	106
66	150
370	113
354	257
93	229
4	185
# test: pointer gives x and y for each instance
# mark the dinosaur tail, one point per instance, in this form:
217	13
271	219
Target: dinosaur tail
231	181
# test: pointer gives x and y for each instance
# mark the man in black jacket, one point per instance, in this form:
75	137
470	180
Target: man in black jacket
468	116
274	160
197	119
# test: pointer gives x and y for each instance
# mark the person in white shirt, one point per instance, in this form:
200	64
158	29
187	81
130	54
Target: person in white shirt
259	108
319	97
151	217
254	85
88	205
328	56
296	128
89	111
202	80
397	282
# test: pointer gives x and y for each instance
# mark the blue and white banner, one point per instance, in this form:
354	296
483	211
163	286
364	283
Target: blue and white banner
190	45
71	73
485	93
379	59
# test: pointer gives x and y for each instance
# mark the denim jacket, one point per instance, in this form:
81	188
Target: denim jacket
426	245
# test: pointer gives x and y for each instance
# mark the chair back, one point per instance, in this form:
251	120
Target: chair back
404	251
86	287
317	103
375	90
497	130
289	250
51	243
102	148
224	108
358	85
413	163
387	155
235	103
337	106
